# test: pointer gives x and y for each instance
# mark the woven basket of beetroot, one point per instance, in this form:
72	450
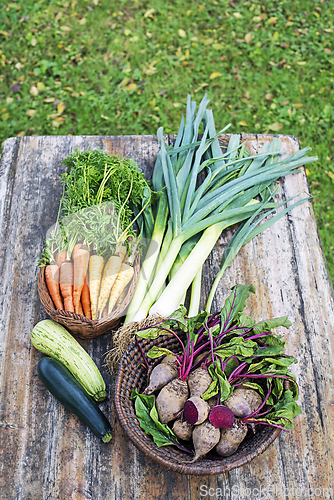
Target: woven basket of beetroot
206	394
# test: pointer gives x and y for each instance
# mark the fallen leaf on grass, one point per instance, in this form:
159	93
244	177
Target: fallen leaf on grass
34	91
49	99
83	21
31	112
248	37
61	107
243	124
131	86
215	74
182	33
149	13
9	100
276	126
331	175
237	15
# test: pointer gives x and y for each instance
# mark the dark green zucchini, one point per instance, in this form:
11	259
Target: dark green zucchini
65	388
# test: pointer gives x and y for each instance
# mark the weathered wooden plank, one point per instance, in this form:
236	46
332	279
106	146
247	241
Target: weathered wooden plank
46	452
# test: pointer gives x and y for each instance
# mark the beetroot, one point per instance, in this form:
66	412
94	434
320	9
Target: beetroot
221	417
243	402
161	375
205	437
231	438
196	410
171	399
199	381
183	430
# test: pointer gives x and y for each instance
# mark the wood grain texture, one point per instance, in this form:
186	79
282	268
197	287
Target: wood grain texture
46	453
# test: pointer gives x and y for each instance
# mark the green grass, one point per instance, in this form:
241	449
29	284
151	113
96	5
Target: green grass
100	67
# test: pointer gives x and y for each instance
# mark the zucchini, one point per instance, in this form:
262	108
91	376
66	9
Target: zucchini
54	340
67	390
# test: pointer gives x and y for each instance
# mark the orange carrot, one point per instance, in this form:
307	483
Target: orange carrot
80	266
77	247
52	281
80	310
85	299
60	258
66	285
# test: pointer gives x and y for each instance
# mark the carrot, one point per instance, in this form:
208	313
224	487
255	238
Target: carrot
95	270
80	266
52	281
60	258
80	310
66	285
77	247
110	272
85	299
123	278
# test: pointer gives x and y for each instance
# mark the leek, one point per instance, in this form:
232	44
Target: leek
205	191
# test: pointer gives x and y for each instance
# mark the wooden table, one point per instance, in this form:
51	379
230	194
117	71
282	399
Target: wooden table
46	453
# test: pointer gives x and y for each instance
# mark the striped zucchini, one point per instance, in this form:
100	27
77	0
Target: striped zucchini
54	340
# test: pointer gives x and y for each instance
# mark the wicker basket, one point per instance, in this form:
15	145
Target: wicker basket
80	326
132	374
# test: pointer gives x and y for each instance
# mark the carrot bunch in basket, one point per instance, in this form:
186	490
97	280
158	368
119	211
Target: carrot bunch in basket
90	277
88	284
89	253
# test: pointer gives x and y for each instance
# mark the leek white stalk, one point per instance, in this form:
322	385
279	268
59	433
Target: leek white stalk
151	257
170	299
195	298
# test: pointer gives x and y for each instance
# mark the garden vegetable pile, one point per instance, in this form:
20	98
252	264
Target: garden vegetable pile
228	375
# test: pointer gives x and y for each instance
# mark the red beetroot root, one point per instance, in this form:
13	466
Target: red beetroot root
161	374
196	410
199	381
183	430
231	438
243	402
205	438
221	417
171	399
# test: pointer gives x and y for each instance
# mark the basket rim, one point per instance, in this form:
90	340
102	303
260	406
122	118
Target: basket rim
204	466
